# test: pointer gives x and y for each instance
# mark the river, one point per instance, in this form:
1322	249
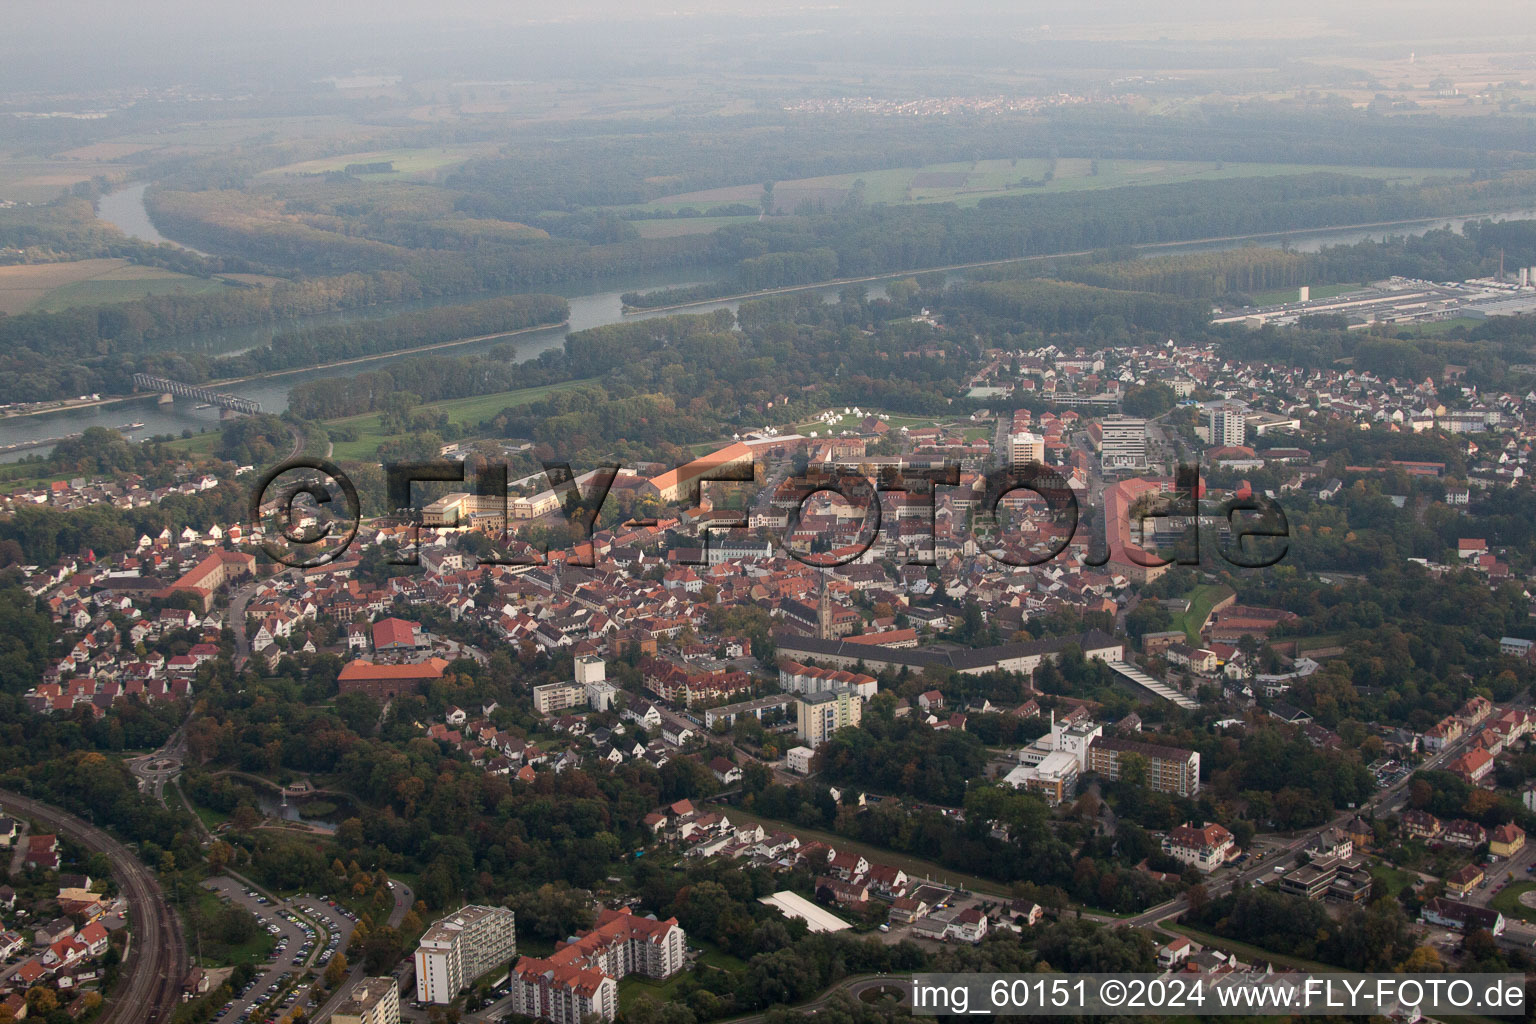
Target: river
125	209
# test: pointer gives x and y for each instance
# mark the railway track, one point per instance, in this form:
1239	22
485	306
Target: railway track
148	989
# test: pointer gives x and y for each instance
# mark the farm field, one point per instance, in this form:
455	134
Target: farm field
406	161
27	180
968	183
673	227
50	287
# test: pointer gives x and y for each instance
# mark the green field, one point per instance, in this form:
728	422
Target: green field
1201	600
1440	327
966	183
1507	901
471	411
1395	879
406	161
104	291
220	954
50	287
633	987
876	855
198	444
675	226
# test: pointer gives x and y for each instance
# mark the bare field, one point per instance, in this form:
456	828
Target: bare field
103	151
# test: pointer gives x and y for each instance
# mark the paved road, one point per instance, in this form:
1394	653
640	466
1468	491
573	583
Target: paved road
404	899
149	985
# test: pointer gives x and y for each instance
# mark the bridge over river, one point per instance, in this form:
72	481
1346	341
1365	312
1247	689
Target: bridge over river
166	386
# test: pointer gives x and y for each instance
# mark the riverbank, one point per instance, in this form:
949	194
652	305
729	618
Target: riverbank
955	267
269	374
214	385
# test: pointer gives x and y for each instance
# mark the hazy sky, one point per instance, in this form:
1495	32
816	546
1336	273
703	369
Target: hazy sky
46	41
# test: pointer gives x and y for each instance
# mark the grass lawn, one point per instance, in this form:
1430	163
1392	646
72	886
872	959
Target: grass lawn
1319	291
472	410
1395	879
711	955
219	954
911	865
210	818
634	987
1440	327
197	444
1507	901
1201	600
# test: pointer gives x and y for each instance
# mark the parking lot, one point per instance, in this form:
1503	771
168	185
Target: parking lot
309	931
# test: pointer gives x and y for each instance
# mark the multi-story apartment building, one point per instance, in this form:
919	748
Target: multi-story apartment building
581	978
1025	449
459	948
687	685
819	715
552	698
372	1001
1169	769
797	678
1228	424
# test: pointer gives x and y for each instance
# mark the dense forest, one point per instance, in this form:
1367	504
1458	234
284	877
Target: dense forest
895	238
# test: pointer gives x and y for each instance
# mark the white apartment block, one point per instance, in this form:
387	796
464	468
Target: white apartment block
819	715
459	948
590	669
553	698
1025	448
798	760
371	1001
1228	425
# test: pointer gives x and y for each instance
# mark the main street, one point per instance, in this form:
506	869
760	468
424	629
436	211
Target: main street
149	986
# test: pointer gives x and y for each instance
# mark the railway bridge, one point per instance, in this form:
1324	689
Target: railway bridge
180	389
